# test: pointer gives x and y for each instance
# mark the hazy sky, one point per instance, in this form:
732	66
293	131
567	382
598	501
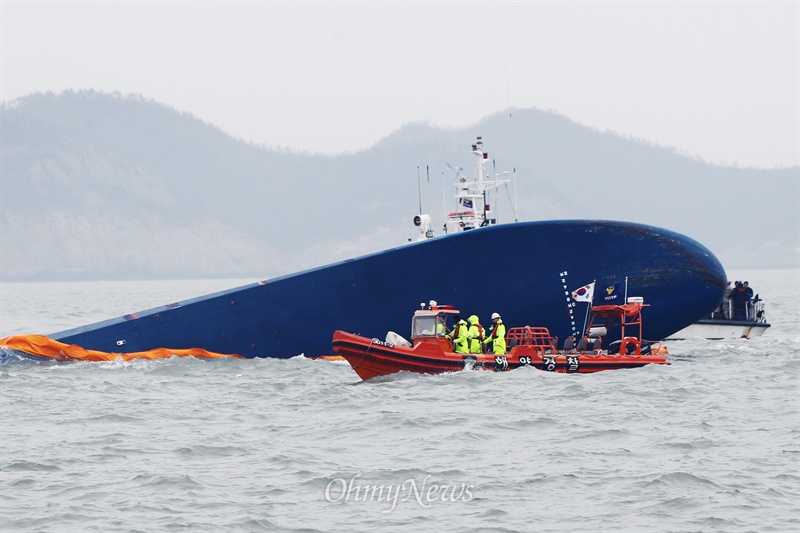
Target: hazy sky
718	80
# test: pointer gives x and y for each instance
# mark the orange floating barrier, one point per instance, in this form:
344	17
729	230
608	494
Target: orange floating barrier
43	346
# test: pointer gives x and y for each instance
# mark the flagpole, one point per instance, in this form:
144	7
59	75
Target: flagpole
626	291
591	303
586	319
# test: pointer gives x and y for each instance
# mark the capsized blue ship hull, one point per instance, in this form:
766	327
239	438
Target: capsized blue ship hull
524	271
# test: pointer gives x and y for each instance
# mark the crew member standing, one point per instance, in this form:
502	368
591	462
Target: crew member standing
460	335
497	336
476	335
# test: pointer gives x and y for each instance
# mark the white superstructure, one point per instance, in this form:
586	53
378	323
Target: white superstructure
472	209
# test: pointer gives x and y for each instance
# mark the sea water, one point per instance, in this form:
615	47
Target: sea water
710	443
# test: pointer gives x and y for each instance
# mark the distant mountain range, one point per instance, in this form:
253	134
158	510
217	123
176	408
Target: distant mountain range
99	186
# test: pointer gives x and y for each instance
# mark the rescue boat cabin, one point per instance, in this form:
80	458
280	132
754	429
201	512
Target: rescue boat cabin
433	324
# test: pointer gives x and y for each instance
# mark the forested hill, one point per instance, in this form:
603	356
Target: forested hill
99	186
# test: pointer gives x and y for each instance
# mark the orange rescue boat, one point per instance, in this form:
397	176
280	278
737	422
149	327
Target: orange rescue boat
431	352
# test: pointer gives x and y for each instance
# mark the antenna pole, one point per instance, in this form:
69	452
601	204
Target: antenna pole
419	191
496	201
430	201
516	213
513	143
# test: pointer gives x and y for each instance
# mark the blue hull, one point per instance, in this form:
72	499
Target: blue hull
523	271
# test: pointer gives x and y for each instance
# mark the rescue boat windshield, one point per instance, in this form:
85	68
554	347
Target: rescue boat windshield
429	325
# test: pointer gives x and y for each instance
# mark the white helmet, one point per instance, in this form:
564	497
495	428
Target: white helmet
495	315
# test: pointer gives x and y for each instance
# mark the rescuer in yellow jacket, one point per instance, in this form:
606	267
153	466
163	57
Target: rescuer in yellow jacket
476	335
460	335
497	335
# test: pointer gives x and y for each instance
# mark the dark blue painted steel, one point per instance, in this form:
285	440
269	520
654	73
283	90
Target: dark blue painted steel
523	271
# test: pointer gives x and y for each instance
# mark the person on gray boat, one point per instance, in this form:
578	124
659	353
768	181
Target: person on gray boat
749	304
738	297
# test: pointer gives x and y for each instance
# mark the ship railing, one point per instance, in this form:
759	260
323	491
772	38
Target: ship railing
536	337
723	312
754	311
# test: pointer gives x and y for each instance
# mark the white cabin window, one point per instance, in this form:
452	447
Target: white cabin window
424	326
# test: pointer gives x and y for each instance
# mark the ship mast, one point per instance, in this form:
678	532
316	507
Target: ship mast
472	210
